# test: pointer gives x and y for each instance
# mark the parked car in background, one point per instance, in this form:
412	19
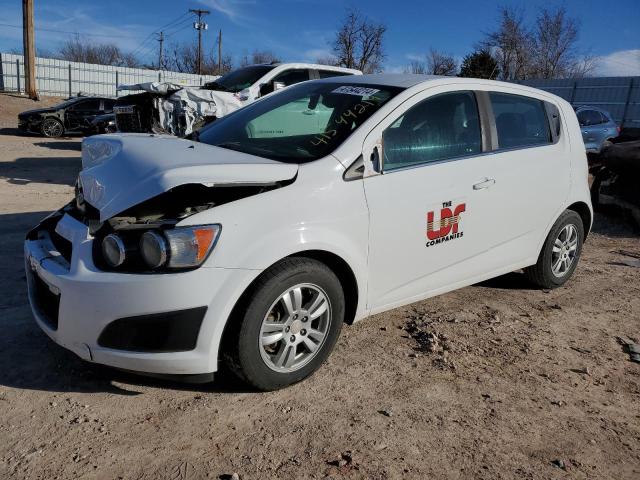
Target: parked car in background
597	126
177	110
324	203
71	116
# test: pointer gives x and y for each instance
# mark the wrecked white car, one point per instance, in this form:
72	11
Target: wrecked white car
173	109
322	204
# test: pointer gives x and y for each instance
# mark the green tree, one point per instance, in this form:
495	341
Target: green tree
479	64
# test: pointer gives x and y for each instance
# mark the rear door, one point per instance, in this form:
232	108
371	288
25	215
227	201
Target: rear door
532	173
431	218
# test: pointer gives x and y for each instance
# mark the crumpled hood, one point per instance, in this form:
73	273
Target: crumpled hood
120	171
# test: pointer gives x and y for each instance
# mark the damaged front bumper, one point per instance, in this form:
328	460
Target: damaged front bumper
153	323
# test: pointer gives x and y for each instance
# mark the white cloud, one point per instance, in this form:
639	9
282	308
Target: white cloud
234	9
318	53
620	63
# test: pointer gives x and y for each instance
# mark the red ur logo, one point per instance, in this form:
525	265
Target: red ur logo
449	221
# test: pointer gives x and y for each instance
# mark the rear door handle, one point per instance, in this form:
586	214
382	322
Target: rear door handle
484	184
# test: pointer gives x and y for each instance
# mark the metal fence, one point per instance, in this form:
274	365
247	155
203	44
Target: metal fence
620	96
63	78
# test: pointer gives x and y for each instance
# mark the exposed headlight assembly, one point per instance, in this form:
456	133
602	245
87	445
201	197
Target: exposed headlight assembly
177	248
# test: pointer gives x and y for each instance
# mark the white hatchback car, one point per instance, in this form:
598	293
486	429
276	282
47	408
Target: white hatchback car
327	202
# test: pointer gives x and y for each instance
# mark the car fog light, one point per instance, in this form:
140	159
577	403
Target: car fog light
113	250
153	248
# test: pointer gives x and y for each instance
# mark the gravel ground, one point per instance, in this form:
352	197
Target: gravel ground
494	381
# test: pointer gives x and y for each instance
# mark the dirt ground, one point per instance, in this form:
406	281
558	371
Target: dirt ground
521	383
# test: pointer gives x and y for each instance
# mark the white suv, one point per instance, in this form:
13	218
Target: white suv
325	203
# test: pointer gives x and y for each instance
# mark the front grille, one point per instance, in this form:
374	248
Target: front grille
129	122
46	302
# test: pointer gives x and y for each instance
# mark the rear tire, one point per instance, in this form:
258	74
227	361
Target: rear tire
288	325
560	253
52	128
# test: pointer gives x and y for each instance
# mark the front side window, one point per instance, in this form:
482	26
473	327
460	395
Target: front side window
439	128
300	124
86	105
520	121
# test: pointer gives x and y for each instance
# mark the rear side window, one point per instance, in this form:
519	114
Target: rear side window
291	77
108	105
442	127
520	121
331	73
590	117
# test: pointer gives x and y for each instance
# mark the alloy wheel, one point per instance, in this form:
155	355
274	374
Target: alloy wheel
52	128
565	249
295	328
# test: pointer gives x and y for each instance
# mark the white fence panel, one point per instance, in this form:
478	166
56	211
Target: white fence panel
63	78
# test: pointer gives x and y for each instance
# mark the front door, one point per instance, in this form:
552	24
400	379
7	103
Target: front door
430	210
80	115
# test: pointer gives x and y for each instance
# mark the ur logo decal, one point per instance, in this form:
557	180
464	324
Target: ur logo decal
447	227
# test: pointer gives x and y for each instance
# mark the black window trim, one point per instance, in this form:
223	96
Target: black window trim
485	139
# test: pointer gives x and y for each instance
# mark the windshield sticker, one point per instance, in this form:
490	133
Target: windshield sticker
359	91
448	227
347	119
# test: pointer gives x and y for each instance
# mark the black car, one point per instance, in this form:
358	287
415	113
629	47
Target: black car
71	116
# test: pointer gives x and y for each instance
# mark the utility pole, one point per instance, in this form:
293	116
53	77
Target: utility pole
29	46
199	26
161	40
220	52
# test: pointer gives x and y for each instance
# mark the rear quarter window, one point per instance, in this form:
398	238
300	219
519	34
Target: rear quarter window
520	121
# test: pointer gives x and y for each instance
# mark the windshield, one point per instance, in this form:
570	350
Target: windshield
302	123
240	79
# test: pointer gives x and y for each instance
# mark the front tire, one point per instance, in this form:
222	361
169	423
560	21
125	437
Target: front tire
560	253
288	325
52	128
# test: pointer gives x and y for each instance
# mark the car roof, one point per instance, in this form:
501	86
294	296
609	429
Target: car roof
418	82
404	80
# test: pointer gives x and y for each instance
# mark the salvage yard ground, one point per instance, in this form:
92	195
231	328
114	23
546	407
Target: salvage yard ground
495	381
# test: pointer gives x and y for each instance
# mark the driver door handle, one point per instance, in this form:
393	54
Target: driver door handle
486	183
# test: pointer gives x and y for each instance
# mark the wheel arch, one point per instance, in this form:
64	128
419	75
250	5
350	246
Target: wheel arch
582	209
336	263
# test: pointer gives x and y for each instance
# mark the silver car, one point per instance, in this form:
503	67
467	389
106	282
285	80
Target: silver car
597	127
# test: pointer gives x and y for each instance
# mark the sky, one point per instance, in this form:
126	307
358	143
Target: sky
301	30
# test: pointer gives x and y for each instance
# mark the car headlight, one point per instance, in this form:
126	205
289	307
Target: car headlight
113	250
181	247
153	248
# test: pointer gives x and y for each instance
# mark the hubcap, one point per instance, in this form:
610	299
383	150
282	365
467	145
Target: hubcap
295	328
565	249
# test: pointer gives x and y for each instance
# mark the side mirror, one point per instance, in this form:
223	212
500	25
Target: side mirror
278	86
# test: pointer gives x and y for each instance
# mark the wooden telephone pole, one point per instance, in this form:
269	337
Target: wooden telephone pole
29	45
220	52
199	26
160	59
